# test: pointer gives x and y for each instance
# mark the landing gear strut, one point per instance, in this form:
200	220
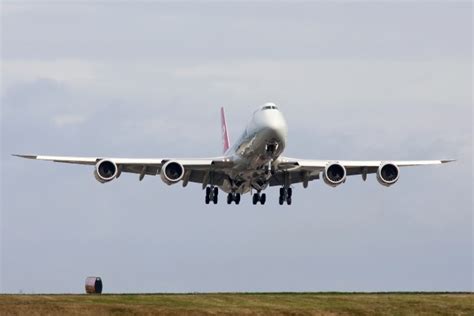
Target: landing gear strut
285	196
233	197
211	194
257	197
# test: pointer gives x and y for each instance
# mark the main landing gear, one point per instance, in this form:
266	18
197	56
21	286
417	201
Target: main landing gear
285	196
257	197
212	194
233	197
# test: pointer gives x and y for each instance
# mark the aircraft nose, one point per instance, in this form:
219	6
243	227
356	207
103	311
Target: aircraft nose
276	125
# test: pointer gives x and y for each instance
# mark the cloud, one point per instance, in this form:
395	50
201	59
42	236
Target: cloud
175	31
70	71
391	101
66	120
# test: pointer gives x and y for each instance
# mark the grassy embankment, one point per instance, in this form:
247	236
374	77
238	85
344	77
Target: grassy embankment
238	304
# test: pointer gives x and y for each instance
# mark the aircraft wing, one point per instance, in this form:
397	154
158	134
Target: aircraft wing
304	170
197	168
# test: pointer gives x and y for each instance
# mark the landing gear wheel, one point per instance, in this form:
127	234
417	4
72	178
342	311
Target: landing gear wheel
214	198
237	198
255	198
208	195
211	194
233	197
285	196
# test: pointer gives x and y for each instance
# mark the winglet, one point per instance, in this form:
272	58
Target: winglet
225	133
25	156
448	160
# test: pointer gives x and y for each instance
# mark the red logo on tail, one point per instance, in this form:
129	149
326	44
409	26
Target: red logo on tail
225	134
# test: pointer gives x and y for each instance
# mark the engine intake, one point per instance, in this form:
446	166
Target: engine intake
388	174
172	172
105	171
334	174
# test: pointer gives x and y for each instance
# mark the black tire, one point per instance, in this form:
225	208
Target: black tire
255	199
237	198
263	198
230	197
282	192
216	191
208	191
281	200
207	199
214	199
288	201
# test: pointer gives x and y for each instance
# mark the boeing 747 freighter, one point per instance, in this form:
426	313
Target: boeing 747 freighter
254	163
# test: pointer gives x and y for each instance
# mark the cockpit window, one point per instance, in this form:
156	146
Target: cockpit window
269	107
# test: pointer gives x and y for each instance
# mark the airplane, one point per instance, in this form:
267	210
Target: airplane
251	165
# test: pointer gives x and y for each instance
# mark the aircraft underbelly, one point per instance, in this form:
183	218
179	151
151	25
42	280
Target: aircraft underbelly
250	160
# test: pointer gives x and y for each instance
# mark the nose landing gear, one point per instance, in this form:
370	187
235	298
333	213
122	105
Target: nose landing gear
271	148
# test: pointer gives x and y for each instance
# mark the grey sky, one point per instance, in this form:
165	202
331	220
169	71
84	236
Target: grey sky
364	80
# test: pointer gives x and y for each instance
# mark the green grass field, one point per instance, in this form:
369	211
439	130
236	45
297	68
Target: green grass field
241	304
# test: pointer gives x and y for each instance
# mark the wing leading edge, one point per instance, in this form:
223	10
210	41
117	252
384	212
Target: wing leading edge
305	170
196	168
321	164
288	170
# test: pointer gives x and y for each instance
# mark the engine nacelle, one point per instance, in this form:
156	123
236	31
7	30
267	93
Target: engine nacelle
105	171
172	172
388	174
334	174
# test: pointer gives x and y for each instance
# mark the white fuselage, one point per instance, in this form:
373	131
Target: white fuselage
255	152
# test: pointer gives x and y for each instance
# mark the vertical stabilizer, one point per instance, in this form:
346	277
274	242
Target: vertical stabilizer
225	133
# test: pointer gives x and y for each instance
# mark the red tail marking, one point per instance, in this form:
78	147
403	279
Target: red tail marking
225	133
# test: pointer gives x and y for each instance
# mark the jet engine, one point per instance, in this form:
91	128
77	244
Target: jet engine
334	174
105	171
388	174
172	172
